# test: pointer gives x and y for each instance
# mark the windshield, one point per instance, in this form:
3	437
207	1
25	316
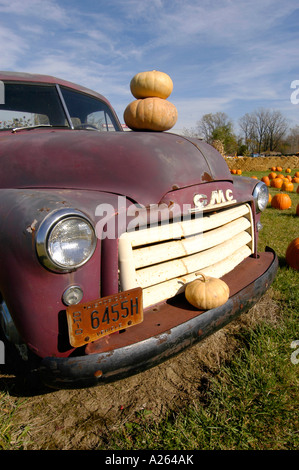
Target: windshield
32	105
87	112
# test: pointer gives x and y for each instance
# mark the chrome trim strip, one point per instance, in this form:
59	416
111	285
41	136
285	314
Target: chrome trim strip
64	107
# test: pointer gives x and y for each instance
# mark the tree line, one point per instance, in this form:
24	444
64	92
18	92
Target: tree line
261	131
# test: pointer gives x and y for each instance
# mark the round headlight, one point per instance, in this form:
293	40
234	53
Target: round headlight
261	196
65	240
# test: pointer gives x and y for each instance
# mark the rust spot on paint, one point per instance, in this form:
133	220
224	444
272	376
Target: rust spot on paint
206	177
31	228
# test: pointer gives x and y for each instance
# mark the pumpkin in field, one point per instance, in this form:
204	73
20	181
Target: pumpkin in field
295	179
276	183
287	186
272	175
151	83
273	168
288	170
154	114
289	177
297	174
266	180
239	172
206	292
270	199
278	168
281	201
233	171
292	254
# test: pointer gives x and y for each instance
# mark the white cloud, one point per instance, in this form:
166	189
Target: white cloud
46	9
15	48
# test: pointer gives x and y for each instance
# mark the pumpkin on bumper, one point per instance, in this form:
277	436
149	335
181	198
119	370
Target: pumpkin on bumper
207	292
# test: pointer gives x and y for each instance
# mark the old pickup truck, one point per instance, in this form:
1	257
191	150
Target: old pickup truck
101	230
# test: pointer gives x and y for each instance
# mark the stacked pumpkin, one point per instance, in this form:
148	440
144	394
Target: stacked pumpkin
151	111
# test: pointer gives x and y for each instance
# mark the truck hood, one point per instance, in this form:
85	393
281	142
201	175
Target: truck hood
142	166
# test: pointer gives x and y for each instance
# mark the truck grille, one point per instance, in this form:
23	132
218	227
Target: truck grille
162	259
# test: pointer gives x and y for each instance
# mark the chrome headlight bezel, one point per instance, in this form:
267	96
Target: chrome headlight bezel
43	234
261	196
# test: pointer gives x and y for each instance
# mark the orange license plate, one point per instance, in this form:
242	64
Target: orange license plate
92	320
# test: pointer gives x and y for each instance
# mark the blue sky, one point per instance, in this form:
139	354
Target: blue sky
233	56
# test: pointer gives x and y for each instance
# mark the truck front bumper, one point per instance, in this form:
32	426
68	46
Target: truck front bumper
167	330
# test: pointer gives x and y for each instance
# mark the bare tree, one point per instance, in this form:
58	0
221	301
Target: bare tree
261	120
246	124
276	130
263	129
292	140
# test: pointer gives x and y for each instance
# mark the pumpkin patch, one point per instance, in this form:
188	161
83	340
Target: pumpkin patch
266	180
281	201
287	186
276	182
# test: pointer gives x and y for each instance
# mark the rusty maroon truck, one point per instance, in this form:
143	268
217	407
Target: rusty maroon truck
101	230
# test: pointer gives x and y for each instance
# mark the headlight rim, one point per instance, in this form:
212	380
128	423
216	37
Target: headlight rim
43	233
256	193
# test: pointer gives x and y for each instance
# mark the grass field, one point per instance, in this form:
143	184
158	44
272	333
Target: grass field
248	400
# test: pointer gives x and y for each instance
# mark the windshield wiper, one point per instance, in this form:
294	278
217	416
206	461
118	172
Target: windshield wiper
28	128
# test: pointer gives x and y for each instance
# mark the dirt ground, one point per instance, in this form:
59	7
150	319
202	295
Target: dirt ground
82	419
